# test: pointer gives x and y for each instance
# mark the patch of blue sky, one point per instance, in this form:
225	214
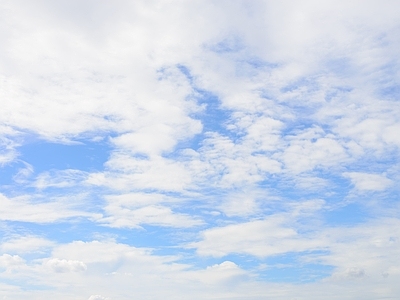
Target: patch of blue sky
346	214
62	231
7	173
84	156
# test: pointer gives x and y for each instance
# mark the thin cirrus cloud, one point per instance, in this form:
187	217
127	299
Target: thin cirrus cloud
199	149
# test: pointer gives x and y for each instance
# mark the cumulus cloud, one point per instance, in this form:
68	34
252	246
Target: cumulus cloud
128	173
225	272
7	260
64	266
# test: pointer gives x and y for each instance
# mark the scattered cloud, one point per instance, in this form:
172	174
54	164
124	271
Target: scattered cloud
214	138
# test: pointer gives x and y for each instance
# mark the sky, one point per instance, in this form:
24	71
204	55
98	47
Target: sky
199	149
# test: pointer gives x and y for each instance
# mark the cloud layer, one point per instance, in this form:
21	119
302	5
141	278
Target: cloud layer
202	149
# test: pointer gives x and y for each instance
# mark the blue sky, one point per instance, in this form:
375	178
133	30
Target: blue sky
199	149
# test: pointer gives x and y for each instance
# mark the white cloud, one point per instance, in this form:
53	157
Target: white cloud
78	87
260	238
360	254
63	265
102	252
7	261
241	204
25	244
28	209
305	155
130	173
209	103
368	182
98	297
223	273
119	215
226	164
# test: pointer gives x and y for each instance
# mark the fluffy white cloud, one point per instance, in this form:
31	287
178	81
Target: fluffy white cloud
7	260
312	148
63	265
226	272
130	173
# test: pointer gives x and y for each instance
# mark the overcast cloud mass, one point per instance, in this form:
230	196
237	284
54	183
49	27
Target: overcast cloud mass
199	149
